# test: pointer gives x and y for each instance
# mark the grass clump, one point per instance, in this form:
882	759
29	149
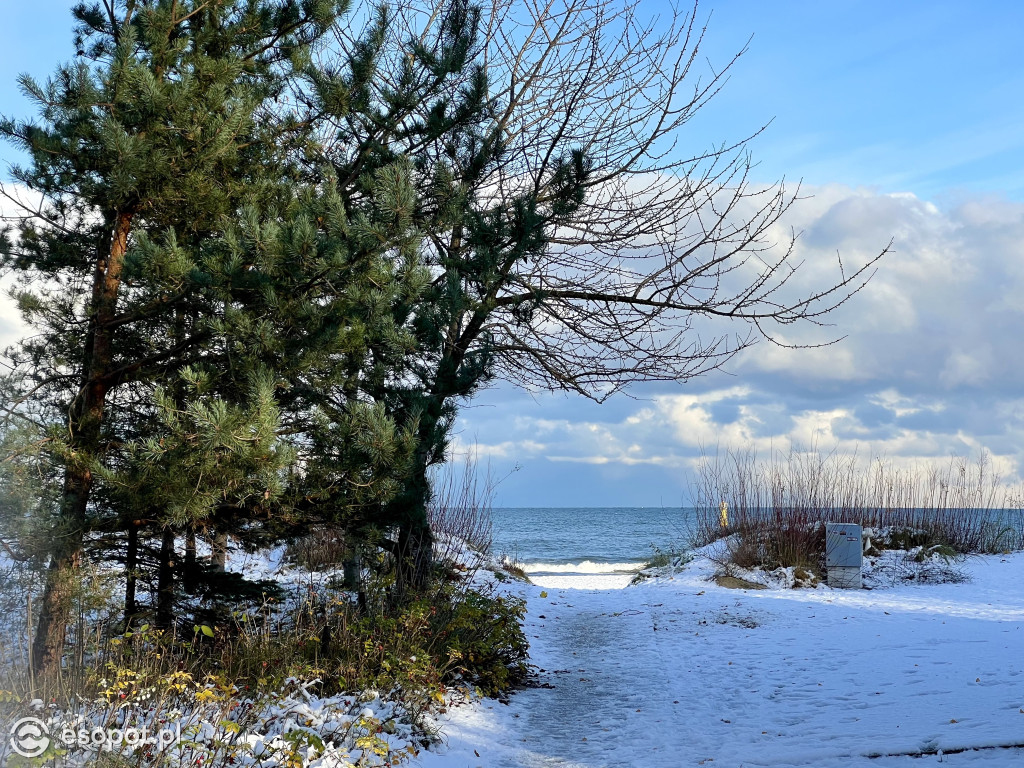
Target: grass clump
776	509
664	558
403	661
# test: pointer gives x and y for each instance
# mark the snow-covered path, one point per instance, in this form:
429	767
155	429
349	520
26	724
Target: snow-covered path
683	672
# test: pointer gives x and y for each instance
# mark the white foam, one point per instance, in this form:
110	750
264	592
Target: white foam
582	580
584	567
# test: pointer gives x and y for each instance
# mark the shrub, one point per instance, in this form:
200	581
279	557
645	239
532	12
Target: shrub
485	641
414	656
777	508
323	548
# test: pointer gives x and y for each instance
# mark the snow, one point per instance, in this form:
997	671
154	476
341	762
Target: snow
292	727
678	671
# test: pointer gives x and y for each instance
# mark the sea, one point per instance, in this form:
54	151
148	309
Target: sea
588	547
604	547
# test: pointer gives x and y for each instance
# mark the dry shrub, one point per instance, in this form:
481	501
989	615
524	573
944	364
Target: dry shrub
460	508
777	508
325	547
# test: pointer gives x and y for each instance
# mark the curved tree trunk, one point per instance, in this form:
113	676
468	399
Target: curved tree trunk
84	427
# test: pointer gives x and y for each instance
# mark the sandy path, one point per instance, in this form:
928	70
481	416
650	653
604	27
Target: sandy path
677	673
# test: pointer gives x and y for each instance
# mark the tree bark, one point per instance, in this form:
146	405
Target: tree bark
416	557
165	582
219	556
189	571
84	430
415	546
131	568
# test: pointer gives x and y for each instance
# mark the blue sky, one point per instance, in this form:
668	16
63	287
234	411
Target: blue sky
904	121
909	96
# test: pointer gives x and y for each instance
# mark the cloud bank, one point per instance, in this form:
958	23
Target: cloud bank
930	365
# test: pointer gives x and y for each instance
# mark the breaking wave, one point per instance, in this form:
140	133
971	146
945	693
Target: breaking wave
586	566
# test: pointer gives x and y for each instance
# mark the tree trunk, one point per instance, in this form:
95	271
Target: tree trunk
131	572
189	571
415	551
55	610
219	557
84	425
165	582
352	568
416	557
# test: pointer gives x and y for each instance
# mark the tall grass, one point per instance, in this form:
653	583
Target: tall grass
460	508
777	506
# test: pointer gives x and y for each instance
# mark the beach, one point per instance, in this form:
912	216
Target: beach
679	671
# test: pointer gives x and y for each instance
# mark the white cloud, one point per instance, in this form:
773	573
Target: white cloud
930	365
967	368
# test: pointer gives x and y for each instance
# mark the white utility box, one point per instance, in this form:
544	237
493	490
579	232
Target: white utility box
844	555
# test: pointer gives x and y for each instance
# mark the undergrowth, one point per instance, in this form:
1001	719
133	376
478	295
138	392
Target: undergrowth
776	509
242	687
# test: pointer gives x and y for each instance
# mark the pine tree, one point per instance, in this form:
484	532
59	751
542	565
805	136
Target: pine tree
424	97
573	244
164	126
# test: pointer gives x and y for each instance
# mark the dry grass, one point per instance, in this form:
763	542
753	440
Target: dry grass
460	508
777	507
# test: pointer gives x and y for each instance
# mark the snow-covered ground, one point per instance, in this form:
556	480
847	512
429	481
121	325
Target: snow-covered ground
681	672
678	671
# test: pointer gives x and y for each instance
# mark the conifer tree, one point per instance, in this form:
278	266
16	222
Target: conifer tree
163	127
573	242
423	96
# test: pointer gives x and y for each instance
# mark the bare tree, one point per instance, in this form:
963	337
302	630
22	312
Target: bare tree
575	243
664	236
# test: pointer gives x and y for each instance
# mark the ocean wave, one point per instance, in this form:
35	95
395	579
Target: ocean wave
586	566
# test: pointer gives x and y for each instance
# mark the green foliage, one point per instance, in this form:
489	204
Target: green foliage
662	558
905	538
485	640
205	436
258	291
455	635
209	321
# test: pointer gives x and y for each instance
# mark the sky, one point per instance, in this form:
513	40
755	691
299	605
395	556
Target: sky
903	122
